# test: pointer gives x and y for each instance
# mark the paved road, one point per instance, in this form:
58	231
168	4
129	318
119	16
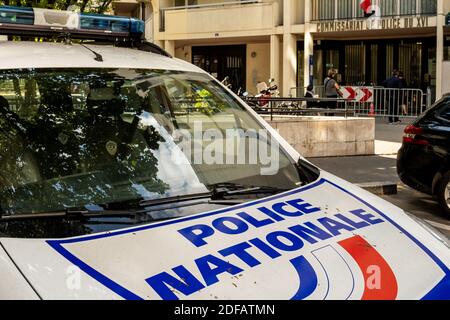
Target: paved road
360	169
390	132
383	169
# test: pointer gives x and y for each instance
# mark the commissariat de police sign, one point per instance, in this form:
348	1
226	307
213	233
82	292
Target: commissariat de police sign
374	24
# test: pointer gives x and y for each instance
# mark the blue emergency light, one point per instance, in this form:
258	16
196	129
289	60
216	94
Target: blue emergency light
111	23
16	15
34	21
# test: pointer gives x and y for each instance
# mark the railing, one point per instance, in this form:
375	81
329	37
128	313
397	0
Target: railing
350	9
162	19
300	106
394	103
299	92
386	102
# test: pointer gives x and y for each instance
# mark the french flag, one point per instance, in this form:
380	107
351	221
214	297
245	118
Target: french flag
365	5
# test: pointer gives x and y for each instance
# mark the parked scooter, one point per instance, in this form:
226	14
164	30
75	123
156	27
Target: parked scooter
265	92
260	101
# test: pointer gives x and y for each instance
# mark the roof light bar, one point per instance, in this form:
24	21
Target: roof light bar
16	15
45	22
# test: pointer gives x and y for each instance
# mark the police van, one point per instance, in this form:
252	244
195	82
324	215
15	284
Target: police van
128	174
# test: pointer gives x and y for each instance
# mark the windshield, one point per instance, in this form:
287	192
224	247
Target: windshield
74	138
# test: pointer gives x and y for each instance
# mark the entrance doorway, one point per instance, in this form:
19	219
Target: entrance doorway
223	61
370	62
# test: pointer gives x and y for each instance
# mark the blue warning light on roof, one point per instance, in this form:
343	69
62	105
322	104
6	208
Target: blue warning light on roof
16	15
104	22
70	21
111	23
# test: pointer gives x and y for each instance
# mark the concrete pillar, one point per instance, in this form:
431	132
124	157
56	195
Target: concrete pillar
169	46
289	63
289	49
308	71
308	47
275	57
439	47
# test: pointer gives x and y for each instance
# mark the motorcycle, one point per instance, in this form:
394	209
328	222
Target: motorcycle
265	93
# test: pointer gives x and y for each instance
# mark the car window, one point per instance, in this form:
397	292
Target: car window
440	109
444	111
93	137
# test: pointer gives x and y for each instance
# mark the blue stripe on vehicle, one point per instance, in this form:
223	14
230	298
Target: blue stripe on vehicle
441	291
308	278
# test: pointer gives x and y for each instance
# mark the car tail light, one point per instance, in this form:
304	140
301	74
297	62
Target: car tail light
413	136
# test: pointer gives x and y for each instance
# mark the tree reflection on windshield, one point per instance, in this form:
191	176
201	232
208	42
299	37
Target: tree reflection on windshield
72	145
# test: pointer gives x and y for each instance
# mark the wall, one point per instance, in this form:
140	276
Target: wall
327	136
216	22
184	53
299	12
258	68
446	5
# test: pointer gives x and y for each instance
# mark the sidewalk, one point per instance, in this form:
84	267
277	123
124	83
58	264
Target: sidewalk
362	169
365	169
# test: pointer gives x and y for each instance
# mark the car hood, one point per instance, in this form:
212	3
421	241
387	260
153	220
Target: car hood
326	240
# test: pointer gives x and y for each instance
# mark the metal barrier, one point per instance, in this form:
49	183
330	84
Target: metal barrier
300	106
394	103
386	102
299	92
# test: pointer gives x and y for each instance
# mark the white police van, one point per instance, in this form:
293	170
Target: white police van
128	174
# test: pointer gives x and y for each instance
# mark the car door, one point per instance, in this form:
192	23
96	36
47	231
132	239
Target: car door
441	131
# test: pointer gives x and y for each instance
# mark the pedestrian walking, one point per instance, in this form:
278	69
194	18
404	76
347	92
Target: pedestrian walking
332	89
393	84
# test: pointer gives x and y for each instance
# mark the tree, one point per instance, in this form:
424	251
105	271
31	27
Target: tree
90	6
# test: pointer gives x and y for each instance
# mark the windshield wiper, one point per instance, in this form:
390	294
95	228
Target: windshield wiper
69	214
220	194
229	189
175	199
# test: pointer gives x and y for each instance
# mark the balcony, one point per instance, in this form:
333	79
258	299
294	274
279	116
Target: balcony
350	9
230	17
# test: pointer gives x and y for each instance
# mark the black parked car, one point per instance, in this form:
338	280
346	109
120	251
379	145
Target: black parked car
423	162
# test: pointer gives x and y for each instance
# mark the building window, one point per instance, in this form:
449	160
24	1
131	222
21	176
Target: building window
345	10
323	9
350	9
428	6
408	7
183	3
355	64
388	7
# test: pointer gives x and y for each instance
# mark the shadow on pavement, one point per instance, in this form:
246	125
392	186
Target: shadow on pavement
361	169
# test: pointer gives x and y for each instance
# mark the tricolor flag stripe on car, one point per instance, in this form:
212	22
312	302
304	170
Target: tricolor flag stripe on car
308	278
379	279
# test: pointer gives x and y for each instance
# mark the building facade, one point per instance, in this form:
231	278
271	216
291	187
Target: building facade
297	41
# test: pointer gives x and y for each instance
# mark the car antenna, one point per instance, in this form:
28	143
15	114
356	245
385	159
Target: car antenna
98	56
67	40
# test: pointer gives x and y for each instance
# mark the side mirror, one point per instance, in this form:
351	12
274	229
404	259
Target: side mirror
271	80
